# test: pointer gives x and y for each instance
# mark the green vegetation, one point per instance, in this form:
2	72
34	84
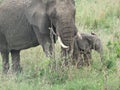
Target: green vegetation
99	16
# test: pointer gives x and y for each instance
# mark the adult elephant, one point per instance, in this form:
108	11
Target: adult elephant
25	23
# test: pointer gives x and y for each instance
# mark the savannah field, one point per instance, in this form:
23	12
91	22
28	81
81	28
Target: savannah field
41	73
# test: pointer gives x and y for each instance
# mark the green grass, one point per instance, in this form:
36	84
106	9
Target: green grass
99	16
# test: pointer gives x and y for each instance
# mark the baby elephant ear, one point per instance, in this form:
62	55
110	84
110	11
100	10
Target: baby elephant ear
92	33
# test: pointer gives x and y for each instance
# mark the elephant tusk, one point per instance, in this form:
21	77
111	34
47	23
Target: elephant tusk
61	43
78	34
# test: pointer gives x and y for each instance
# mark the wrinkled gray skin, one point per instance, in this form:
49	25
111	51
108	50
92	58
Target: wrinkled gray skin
83	48
25	23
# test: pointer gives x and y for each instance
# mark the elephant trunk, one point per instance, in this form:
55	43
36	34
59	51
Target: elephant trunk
67	36
61	43
67	32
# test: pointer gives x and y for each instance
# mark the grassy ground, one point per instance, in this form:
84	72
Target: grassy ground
99	16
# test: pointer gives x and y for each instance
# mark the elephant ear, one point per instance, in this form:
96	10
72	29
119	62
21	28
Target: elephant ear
88	37
36	15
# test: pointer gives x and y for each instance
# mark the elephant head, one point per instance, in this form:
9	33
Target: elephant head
62	15
96	43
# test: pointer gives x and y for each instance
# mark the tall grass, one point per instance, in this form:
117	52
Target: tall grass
100	16
97	13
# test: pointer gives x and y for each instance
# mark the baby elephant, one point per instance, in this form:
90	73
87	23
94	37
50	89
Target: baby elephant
83	47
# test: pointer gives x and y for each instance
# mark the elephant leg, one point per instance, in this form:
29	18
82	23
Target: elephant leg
80	60
16	61
47	49
86	61
5	61
65	57
44	41
87	58
74	57
51	49
77	60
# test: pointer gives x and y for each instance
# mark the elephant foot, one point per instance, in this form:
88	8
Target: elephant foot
5	61
87	63
79	65
16	69
64	63
5	68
